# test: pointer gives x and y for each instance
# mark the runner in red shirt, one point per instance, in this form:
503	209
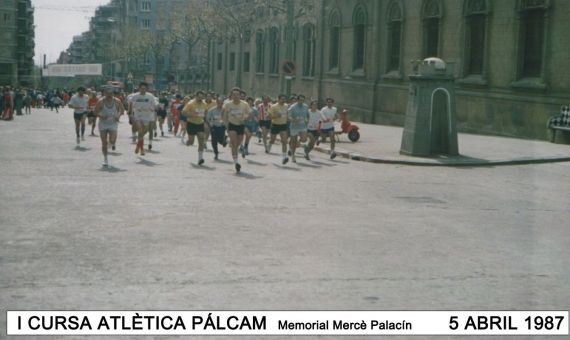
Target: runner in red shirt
92	118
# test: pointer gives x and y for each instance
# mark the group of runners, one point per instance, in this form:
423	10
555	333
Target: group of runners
198	117
20	101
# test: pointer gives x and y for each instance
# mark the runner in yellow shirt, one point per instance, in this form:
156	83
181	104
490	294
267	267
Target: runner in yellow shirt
279	117
235	113
196	112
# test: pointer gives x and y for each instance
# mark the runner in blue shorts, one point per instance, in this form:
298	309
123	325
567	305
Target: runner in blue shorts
251	126
298	118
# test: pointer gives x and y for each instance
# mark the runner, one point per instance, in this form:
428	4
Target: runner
313	126
28	103
251	126
195	111
80	104
210	104
175	120
8	104
143	105
327	129
91	117
215	119
162	107
130	113
278	113
109	111
298	117
235	113
183	118
57	102
152	126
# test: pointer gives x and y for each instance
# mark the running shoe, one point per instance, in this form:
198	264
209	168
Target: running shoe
200	162
77	140
113	147
105	162
242	151
150	146
238	167
285	160
216	157
155	134
333	155
293	159
162	133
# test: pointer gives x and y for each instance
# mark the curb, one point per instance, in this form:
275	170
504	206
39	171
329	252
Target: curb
448	163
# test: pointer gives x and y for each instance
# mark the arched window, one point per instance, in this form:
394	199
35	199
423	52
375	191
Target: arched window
359	24
259	52
431	17
395	19
334	40
309	42
274	50
533	18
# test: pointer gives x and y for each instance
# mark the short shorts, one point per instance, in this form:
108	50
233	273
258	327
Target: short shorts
239	129
252	126
296	129
162	114
265	124
327	131
78	116
194	129
278	128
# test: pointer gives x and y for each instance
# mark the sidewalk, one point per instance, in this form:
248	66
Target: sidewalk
381	144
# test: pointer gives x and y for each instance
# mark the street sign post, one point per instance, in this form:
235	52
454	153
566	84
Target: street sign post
289	69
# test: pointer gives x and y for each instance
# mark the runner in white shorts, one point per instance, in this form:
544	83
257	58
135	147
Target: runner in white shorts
143	105
108	110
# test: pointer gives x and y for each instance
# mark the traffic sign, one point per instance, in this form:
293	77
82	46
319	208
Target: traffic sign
289	67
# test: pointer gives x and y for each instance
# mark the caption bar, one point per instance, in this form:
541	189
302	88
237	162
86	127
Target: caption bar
287	323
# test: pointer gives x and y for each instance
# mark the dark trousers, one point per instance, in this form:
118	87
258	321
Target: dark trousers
218	136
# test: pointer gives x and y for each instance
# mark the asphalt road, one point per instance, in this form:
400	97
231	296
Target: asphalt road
159	232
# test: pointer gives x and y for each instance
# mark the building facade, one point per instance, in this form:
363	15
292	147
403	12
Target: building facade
510	57
17	41
114	40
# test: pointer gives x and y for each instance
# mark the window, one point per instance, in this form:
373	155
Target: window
145	6
232	61
395	18
309	43
533	27
246	58
145	24
7	18
220	61
259	52
359	23
334	37
431	20
274	50
476	30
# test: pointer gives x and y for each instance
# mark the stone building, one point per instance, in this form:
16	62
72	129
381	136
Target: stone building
109	41
510	57
17	41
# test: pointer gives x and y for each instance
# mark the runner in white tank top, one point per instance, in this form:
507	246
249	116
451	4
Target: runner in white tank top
108	109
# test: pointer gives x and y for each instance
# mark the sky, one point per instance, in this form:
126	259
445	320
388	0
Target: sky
57	21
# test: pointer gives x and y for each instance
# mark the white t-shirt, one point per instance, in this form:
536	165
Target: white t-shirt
144	106
328	114
80	103
314	119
